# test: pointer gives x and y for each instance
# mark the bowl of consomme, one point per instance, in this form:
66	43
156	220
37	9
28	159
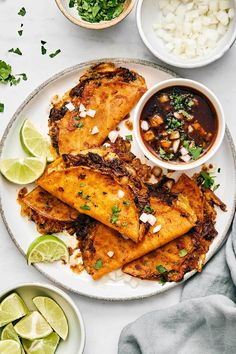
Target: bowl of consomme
179	124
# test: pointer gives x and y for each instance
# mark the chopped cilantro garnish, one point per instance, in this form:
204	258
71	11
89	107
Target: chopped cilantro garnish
148	209
98	264
98	10
161	269
219	169
6	75
115	214
82	184
1	107
183	252
72	3
23	76
190	103
87	197
129	137
77	117
85	207
164	155
80	193
207	179
15	51
43	50
43	42
20	32
126	202
22	12
195	152
216	187
79	125
52	55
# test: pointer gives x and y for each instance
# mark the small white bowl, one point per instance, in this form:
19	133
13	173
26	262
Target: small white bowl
193	85
75	342
146	16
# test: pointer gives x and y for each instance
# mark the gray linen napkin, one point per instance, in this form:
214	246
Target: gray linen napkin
202	323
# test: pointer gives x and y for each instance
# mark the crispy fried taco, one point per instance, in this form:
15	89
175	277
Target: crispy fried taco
101	100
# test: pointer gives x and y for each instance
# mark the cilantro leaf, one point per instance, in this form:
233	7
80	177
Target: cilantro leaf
22	12
129	137
43	50
183	252
85	207
1	107
5	71
161	269
15	51
195	152
98	264
52	55
20	32
207	179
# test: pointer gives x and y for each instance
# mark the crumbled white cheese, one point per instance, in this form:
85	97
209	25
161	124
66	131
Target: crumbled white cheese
76	258
82	108
121	193
144	125
192	28
156	229
113	135
151	219
110	254
91	113
70	106
144	217
95	130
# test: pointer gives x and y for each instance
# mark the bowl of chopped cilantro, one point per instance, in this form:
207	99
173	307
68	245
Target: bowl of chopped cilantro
179	124
95	14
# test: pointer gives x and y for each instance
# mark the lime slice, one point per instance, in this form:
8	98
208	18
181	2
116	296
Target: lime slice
47	249
10	333
23	170
33	326
47	345
54	315
12	308
9	347
34	143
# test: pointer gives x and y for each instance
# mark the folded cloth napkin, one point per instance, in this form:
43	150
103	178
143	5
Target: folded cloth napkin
204	322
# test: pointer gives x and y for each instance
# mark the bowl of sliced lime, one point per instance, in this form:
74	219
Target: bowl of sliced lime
39	318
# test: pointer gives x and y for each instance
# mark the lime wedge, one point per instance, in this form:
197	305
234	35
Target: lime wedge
47	249
54	315
34	143
9	347
10	333
47	345
12	308
23	170
33	326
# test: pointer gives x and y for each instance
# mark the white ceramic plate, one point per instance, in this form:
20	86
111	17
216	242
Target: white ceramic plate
22	231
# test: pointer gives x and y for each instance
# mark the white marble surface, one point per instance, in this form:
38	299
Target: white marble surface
103	320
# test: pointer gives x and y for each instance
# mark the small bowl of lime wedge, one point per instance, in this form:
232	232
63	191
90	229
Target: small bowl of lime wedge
39	318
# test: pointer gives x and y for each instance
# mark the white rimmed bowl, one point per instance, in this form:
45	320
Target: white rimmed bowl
75	342
146	16
193	85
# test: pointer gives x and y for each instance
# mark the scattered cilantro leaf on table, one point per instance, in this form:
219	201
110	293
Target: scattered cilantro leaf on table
52	55
22	12
15	51
6	76
1	107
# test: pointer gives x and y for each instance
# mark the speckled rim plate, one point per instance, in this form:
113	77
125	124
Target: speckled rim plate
19	229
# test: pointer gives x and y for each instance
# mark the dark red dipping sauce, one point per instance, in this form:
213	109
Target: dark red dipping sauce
179	124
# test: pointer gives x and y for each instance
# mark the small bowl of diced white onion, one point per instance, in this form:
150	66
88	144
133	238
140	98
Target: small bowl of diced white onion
187	33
